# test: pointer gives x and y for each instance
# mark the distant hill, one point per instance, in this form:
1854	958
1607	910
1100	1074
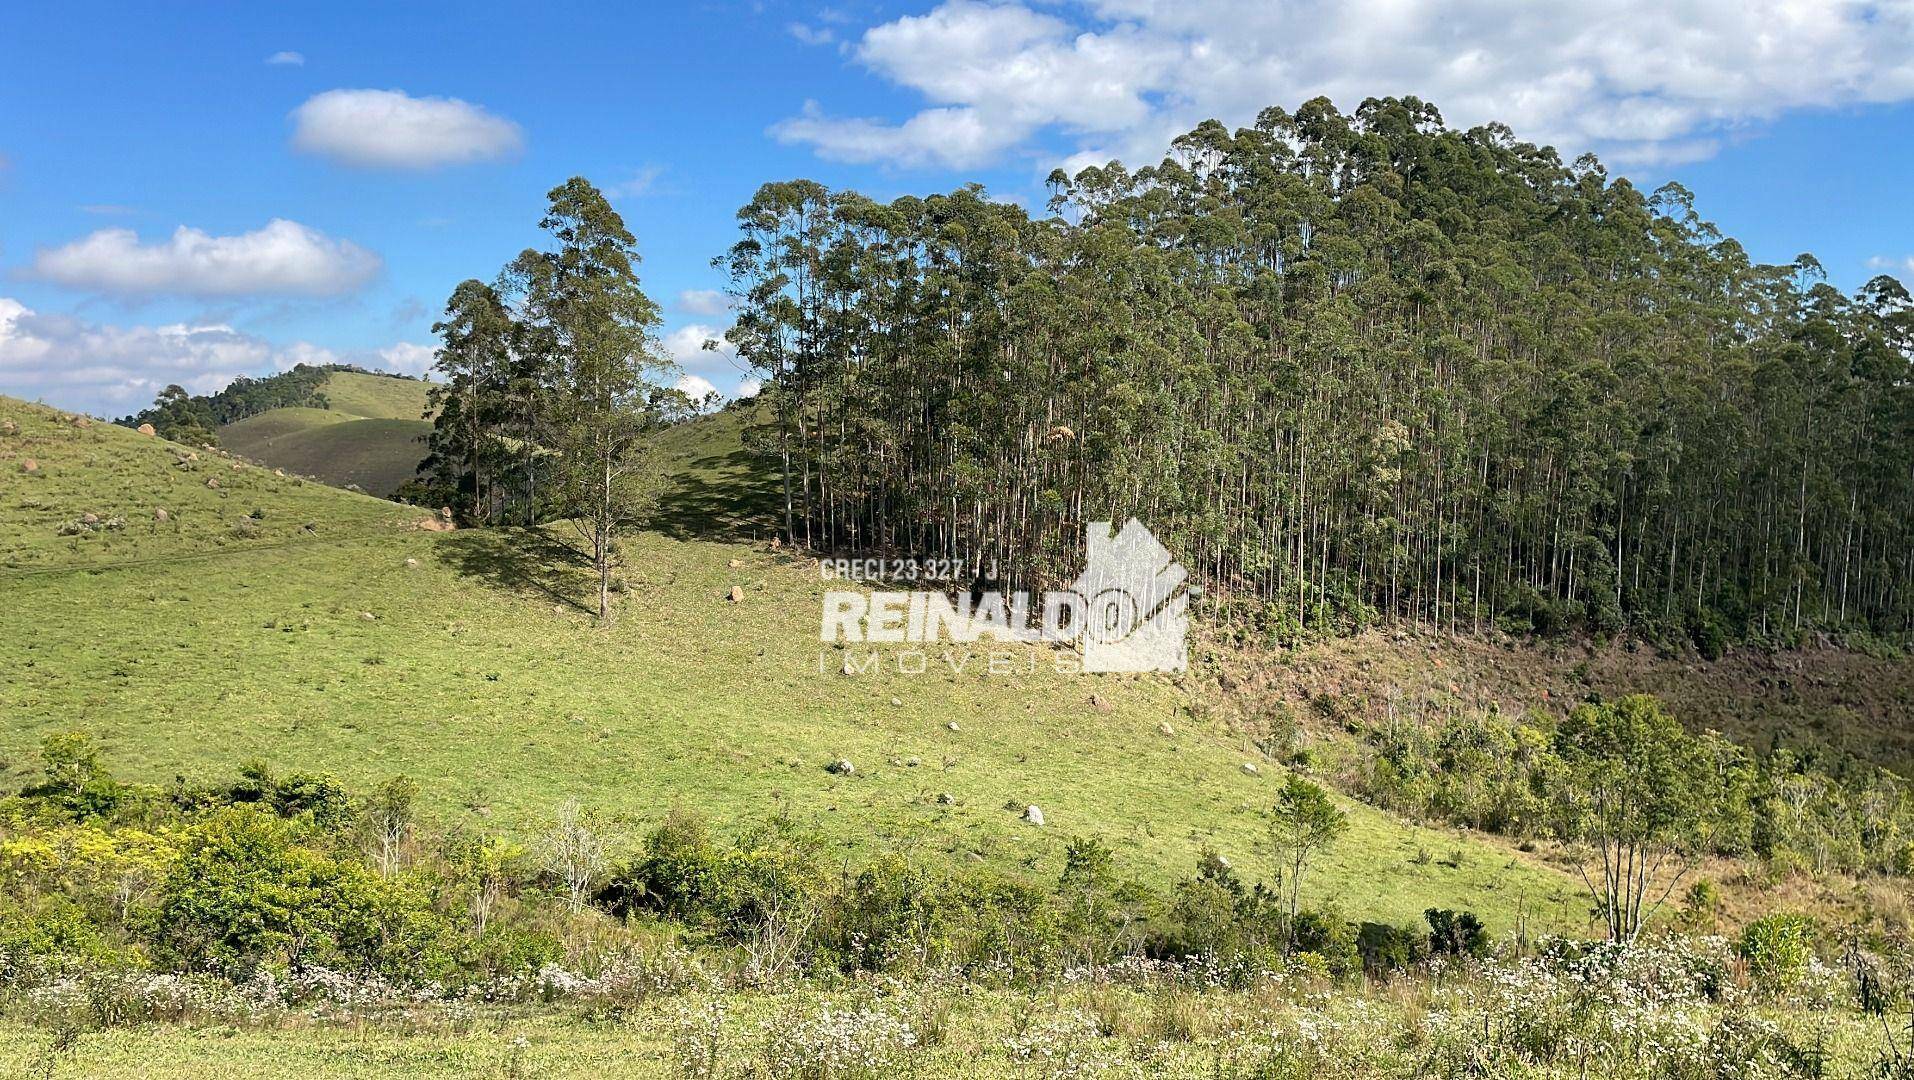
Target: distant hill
336	423
369	432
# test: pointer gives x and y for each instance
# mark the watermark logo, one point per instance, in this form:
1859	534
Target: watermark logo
1127	612
1136	609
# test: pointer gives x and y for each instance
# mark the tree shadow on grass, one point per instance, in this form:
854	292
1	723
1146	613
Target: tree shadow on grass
527	561
721	496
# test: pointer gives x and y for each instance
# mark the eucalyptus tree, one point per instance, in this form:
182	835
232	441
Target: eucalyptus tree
591	328
1351	368
472	363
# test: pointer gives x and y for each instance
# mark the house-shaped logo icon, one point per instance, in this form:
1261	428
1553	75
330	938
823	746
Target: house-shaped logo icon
1136	610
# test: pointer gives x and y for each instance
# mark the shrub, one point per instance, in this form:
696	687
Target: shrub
885	917
1385	949
684	874
244	893
75	779
58	931
1778	949
1451	934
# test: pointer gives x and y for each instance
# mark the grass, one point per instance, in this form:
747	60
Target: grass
370	435
213	504
1398	1030
376	397
374	455
468	661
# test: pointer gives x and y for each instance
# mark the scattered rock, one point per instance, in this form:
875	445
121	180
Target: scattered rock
279	472
237	466
410	563
89	519
433	524
912	763
445	513
1098	703
1250	768
737	594
212	481
1033	815
558	609
349	487
842	767
1164	728
82	422
735	563
160	515
367	616
895	702
8	427
952	725
146	429
29	466
944	798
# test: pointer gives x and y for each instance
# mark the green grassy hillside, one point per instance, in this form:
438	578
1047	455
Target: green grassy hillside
370	435
376	397
467	661
152	499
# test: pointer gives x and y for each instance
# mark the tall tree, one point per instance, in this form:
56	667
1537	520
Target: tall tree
582	307
472	364
1350	367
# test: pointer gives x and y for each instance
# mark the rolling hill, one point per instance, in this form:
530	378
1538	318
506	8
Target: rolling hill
369	435
369	648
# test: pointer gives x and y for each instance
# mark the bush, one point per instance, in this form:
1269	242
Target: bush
58	931
244	894
886	917
1386	949
1778	949
1451	934
683	874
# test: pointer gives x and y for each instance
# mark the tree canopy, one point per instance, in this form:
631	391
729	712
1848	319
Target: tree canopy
1349	367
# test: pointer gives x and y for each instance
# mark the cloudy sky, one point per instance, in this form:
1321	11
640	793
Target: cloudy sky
190	195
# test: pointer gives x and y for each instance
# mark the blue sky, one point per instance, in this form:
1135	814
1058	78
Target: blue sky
337	168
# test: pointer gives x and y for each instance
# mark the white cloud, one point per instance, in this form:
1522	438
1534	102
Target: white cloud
284	258
952	138
696	386
117	369
407	358
640	183
703	302
1638	80
287	58
686	346
113	370
1892	265
811	35
749	386
391	129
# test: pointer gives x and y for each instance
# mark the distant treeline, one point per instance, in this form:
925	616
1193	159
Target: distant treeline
196	418
1349	368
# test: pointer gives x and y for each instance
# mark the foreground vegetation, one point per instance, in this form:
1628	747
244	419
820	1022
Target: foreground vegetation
1678	1010
276	921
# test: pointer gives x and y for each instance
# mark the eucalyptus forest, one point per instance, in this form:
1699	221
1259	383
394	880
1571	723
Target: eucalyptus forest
1351	367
